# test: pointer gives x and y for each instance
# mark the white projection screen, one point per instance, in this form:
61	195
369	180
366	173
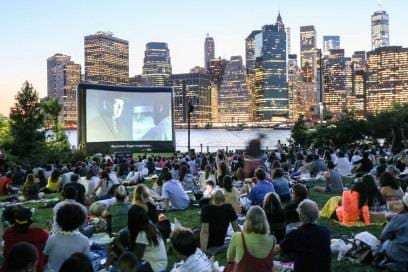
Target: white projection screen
135	116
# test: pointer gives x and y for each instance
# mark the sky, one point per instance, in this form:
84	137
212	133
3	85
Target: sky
31	31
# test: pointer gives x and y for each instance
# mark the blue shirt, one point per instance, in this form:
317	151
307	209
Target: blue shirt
281	186
173	191
259	191
396	234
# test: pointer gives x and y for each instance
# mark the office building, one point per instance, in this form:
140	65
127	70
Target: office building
307	52
194	88
209	50
337	78
68	76
157	64
330	42
250	51
106	59
52	63
233	96
216	68
387	78
271	88
380	30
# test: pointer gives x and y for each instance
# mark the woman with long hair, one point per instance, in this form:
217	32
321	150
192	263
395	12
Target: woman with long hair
145	239
276	215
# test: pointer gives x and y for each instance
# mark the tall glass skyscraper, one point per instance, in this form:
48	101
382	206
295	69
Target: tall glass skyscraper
209	50
271	87
233	96
380	30
157	64
106	59
330	42
250	51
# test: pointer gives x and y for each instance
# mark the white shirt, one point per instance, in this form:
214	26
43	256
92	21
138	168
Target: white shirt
343	166
155	255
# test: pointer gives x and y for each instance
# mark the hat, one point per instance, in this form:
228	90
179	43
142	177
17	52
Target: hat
23	216
405	199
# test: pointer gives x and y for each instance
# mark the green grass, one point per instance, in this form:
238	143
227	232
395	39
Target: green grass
191	218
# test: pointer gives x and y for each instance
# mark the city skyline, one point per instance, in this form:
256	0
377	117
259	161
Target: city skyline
27	60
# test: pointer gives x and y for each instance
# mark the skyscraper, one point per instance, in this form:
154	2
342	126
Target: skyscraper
192	88
68	76
337	78
209	50
271	88
387	78
250	51
52	63
307	52
380	30
233	96
106	59
157	64
330	42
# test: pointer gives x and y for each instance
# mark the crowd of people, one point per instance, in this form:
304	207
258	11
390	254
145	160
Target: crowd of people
254	206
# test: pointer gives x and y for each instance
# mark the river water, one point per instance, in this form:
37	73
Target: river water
214	139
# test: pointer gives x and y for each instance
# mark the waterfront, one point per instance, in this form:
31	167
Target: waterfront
217	138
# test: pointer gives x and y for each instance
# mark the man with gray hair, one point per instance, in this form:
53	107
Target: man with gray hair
308	245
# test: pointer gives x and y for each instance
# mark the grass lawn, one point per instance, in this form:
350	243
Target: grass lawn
191	218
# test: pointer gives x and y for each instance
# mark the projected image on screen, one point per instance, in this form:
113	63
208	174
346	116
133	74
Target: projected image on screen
128	116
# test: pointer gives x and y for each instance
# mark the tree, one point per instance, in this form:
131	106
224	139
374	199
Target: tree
26	121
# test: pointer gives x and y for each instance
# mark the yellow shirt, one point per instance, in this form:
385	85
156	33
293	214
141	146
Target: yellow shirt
259	245
53	186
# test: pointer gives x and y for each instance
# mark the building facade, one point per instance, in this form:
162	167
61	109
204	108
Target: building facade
52	64
194	88
106	59
68	76
337	78
271	86
157	64
380	30
387	78
209	50
330	42
233	95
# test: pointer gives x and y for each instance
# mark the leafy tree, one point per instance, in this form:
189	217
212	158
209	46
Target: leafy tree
26	121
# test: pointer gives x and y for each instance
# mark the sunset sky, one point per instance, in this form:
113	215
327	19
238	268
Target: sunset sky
34	30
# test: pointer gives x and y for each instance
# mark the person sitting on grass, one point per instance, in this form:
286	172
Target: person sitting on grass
30	188
281	184
275	215
309	245
299	193
215	219
23	257
262	187
395	238
185	245
354	205
174	194
117	214
54	182
67	241
252	249
22	231
333	180
78	262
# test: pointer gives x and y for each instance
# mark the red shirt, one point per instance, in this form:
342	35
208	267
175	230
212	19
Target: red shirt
35	236
4	182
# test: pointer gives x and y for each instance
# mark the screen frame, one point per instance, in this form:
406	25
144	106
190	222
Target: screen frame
111	147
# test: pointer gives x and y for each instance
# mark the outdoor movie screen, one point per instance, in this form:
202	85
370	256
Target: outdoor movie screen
128	116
